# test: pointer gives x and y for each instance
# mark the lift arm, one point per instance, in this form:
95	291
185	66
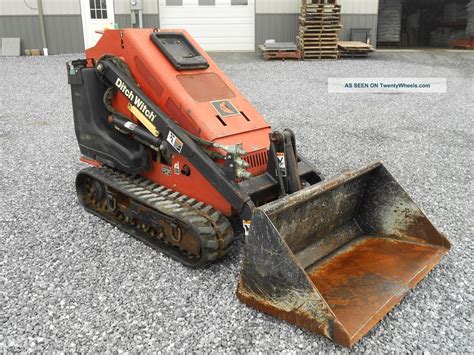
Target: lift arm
176	139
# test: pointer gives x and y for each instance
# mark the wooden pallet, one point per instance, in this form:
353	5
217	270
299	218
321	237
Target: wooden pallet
319	2
319	21
318	32
310	39
320	7
319	12
321	57
354	49
331	42
314	12
281	54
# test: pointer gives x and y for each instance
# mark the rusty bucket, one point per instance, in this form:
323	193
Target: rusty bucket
336	257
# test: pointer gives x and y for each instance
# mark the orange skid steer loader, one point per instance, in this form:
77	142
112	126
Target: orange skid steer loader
177	153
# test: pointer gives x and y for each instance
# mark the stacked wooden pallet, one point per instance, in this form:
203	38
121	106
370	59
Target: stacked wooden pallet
280	51
354	49
320	23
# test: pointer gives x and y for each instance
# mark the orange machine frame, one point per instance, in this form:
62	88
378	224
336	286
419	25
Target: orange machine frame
187	97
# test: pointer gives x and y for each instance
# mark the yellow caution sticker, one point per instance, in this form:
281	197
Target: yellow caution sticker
246	225
145	121
281	163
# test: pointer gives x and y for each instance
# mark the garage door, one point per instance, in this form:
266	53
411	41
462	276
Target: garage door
217	25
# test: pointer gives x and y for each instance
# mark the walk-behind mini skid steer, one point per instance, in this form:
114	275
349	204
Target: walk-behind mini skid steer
177	153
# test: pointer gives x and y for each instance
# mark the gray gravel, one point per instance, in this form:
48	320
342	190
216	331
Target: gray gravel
71	282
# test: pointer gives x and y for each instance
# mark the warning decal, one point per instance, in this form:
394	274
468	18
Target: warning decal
281	163
246	225
174	141
166	170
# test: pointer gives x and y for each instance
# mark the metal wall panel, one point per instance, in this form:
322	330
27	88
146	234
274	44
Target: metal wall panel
149	20
278	6
280	27
25	27
60	7
17	7
123	20
50	7
64	33
150	6
358	21
293	6
123	6
359	6
284	27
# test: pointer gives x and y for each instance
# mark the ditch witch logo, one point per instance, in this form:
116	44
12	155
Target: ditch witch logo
225	108
135	100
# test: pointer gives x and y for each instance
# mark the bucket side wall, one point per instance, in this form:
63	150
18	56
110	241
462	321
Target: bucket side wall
387	210
272	281
321	215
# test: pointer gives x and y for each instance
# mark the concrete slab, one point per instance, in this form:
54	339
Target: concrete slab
11	46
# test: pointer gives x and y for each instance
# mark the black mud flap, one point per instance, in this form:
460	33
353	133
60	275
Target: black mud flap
97	138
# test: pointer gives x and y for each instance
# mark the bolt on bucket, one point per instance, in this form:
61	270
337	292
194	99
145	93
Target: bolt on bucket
336	257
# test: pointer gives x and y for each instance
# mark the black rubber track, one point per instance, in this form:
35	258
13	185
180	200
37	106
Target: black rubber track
212	228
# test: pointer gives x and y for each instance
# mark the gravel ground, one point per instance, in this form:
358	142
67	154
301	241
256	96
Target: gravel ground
71	282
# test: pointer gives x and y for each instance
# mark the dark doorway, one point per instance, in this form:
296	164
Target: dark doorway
424	23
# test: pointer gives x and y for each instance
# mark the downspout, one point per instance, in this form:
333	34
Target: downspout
42	30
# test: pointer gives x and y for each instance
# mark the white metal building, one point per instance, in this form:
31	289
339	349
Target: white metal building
218	25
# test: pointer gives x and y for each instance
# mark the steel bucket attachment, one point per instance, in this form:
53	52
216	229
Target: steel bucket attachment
335	257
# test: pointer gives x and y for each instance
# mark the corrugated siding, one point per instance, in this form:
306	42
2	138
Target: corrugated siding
60	7
359	6
284	27
278	6
25	27
123	21
149	20
66	7
50	7
358	21
293	6
150	6
64	33
280	27
123	6
17	7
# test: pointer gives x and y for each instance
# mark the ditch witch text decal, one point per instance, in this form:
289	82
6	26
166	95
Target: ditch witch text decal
135	100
